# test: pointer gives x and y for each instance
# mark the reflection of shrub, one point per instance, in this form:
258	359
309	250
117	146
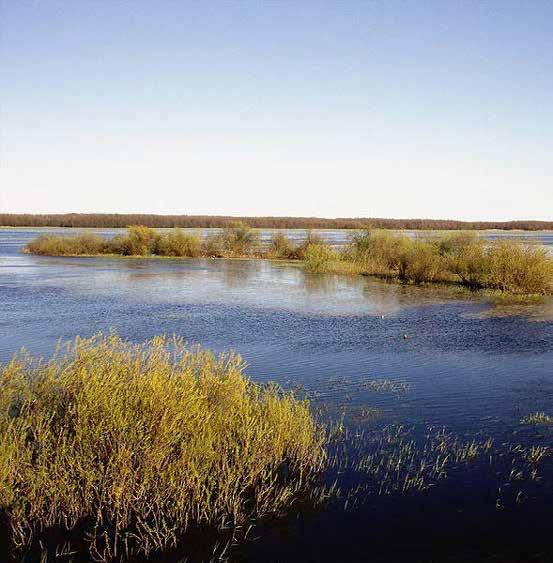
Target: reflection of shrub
126	447
177	243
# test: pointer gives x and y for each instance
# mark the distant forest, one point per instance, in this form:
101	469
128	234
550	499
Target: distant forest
110	220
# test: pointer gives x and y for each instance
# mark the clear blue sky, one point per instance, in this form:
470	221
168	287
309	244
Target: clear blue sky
343	108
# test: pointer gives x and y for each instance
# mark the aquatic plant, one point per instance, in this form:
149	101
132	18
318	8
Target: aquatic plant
537	418
125	447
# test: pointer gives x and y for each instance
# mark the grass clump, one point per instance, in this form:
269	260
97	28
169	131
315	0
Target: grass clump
124	448
538	419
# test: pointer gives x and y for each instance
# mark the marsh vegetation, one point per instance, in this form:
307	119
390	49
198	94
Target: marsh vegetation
507	266
117	451
124	448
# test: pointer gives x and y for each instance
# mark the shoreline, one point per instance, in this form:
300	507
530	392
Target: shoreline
495	297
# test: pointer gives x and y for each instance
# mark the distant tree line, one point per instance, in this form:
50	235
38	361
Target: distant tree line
113	220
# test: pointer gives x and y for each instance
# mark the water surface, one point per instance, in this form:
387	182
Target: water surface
469	371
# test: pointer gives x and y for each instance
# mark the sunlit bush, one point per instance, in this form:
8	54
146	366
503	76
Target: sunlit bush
420	262
177	243
519	268
280	246
379	251
52	245
318	257
123	448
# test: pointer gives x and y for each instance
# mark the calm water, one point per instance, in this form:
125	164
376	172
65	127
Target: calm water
473	372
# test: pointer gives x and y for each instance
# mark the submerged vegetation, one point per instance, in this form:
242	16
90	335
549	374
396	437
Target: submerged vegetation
508	266
124	448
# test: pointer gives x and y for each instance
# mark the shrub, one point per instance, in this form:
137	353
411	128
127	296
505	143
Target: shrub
53	245
378	251
140	240
123	447
177	243
281	247
519	268
240	239
214	246
318	257
465	256
420	262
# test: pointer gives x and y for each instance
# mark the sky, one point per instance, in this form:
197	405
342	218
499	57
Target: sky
435	109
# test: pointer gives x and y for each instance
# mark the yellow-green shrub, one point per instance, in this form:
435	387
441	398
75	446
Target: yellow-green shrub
281	247
420	262
318	257
379	252
53	245
126	446
177	243
520	268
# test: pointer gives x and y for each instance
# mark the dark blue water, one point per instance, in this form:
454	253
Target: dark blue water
466	365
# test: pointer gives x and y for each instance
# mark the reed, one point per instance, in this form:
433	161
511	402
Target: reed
124	448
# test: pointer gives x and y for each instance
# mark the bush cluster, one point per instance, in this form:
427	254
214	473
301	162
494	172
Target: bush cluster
123	448
508	266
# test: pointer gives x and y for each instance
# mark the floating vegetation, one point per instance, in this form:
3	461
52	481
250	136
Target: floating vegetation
537	418
385	386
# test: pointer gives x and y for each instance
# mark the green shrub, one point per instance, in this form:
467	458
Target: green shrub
126	447
318	257
53	245
240	239
378	251
214	246
465	256
519	268
420	262
140	240
177	243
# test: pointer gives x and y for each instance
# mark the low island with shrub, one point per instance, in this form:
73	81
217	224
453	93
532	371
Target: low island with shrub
462	258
